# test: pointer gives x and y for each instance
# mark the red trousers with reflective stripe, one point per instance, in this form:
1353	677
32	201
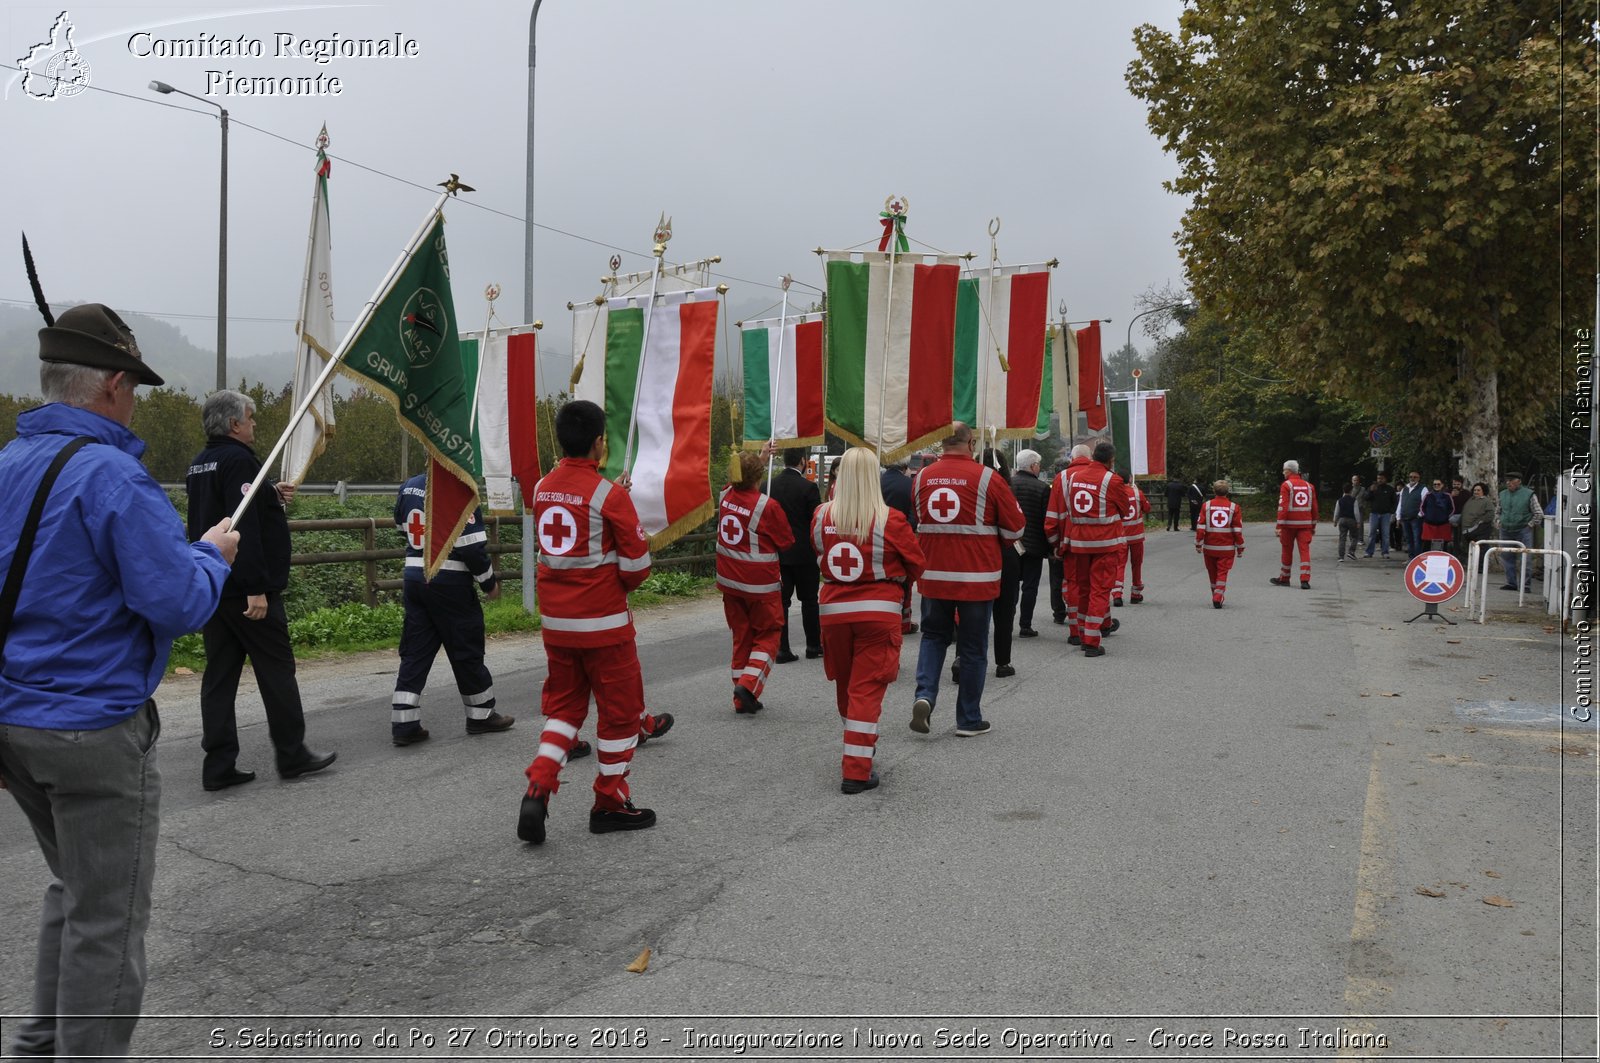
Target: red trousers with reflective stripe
1069	594
611	674
1131	552
862	660
757	625
1290	538
1093	579
1217	566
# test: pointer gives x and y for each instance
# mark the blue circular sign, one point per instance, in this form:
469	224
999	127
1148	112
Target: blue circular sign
1379	435
1434	576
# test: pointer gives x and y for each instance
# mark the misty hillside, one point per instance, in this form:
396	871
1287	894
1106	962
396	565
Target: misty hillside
185	366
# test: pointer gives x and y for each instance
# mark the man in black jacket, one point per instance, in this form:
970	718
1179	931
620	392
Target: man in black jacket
1176	489
250	621
897	488
797	566
1033	495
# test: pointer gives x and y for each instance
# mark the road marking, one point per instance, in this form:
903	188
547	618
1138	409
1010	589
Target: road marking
1366	990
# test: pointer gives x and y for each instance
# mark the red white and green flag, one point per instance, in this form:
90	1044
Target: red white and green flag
1001	317
407	351
1091	377
507	405
891	347
318	337
1139	431
783	380
665	386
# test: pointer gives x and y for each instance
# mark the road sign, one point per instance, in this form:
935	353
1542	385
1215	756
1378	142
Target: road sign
1379	435
1434	577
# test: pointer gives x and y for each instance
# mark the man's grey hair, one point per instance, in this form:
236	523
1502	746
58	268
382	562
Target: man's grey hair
1291	466
222	408
75	385
1027	459
1081	450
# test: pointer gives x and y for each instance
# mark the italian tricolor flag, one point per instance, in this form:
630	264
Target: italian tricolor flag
666	385
506	409
1001	313
1139	431
891	344
1091	377
783	380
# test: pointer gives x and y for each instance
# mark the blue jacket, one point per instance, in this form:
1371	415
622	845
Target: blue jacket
469	557
111	582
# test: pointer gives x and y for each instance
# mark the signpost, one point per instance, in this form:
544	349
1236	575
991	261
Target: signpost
1380	437
1432	578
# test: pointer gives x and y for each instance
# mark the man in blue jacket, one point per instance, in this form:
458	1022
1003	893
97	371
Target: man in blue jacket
111	581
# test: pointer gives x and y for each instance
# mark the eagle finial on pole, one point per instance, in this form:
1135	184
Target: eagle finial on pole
454	185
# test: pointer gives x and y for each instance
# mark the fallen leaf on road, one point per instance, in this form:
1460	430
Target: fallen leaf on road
638	966
1498	902
1511	697
1366	695
1470	730
1571	751
1426	892
1492	874
1387	694
1485	678
1431	730
1452	642
183	671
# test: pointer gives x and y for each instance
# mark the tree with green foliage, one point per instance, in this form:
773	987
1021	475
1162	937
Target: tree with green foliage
1384	198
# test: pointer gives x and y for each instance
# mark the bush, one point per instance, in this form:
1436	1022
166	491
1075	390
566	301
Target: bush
348	625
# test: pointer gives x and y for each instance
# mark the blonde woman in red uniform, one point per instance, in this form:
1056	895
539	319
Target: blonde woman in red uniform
751	530
868	553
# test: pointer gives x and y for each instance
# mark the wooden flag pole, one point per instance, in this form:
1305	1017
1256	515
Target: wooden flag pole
344	348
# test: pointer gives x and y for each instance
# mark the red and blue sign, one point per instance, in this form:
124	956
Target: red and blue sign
1434	577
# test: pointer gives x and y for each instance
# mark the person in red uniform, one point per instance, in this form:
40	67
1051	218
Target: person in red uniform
751	530
1055	528
966	514
1219	538
592	552
1297	523
1095	502
1133	545
868	554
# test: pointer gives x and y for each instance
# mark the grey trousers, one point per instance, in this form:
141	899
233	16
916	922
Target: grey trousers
94	800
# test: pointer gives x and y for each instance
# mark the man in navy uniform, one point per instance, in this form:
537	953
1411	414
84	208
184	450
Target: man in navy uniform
443	611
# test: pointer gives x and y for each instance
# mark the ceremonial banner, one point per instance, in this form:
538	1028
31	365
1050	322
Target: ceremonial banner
316	329
672	381
1139	431
792	417
1091	377
891	346
407	351
986	395
1055	395
507	404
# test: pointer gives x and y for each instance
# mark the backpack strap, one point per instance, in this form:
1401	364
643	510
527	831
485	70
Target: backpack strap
30	529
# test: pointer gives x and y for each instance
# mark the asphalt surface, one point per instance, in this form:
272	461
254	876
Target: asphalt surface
1298	812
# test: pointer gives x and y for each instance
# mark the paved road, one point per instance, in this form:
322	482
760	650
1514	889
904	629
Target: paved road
1232	814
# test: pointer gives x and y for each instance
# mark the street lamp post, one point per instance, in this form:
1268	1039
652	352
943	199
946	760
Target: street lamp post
222	235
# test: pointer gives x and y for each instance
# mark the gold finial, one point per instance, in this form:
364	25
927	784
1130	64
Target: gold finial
454	185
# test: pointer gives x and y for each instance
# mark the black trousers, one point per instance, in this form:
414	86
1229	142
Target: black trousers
448	615
1005	606
229	638
801	581
1174	509
1032	569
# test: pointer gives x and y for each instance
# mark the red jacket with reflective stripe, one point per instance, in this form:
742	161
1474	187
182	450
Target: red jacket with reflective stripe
1133	516
862	578
1220	529
1095	500
592	552
966	514
751	529
1055	511
1297	504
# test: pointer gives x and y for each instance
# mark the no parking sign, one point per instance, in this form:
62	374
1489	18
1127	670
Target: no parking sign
1434	577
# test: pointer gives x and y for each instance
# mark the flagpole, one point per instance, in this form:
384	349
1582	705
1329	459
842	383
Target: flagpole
338	355
311	251
663	234
772	392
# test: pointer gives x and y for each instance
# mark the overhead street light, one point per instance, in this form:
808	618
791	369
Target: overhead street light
1182	304
222	235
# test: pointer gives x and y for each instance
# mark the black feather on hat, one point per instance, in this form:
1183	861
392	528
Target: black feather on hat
91	334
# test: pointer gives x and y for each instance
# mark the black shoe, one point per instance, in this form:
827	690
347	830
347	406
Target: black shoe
859	786
785	657
1094	651
410	738
604	821
231	777
1279	581
1061	620
530	820
1305	584
1216	605
1074	640
663	725
307	763
1507	587
579	749
1004	671
921	712
1027	633
955	673
1112	627
1117	600
812	654
1135	599
490	724
980	728
745	702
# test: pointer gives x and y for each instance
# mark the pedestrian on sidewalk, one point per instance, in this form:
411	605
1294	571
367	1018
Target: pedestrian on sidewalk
1349	525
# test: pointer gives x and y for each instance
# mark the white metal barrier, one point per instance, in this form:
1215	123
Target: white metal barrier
1473	550
1557	605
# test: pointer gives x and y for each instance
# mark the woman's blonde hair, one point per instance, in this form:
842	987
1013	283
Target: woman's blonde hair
857	495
